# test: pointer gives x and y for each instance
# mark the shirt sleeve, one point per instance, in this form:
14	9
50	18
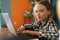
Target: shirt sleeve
50	32
27	26
30	27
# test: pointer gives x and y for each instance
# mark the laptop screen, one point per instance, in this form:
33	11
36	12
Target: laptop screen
9	23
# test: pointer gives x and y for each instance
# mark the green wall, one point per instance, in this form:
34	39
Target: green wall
0	14
5	8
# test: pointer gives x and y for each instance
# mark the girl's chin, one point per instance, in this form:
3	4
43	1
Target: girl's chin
39	20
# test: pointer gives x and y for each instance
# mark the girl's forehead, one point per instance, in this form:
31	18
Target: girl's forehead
38	6
35	7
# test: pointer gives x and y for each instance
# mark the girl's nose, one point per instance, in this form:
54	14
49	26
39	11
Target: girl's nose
38	13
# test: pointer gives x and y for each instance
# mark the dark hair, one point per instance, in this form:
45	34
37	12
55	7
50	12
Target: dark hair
45	3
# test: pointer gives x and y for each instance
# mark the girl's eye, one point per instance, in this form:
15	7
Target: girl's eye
41	10
36	11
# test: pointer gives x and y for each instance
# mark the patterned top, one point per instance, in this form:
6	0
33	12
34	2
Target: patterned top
48	30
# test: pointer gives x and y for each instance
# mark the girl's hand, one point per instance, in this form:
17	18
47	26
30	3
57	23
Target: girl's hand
20	29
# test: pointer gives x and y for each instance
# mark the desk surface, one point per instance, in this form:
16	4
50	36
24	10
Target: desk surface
4	32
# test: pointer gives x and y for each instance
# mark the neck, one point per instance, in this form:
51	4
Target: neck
43	21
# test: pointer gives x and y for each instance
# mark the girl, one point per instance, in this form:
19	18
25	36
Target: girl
45	27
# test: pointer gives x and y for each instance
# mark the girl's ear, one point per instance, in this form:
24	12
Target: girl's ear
49	12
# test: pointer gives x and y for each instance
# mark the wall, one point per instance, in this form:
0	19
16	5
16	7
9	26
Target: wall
54	7
5	8
58	12
18	9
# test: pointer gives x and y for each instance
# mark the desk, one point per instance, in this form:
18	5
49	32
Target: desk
4	32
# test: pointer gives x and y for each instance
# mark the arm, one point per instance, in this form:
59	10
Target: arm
31	32
20	29
51	33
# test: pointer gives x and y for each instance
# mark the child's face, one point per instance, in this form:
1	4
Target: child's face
40	12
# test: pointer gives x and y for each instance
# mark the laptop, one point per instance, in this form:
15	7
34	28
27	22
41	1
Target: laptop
9	24
11	27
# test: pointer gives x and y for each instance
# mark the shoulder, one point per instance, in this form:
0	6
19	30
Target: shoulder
52	23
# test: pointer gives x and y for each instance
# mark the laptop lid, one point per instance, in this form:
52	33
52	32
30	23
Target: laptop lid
9	23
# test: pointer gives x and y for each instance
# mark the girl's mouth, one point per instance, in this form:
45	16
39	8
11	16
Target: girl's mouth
38	17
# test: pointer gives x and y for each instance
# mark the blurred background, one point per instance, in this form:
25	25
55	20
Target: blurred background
20	11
